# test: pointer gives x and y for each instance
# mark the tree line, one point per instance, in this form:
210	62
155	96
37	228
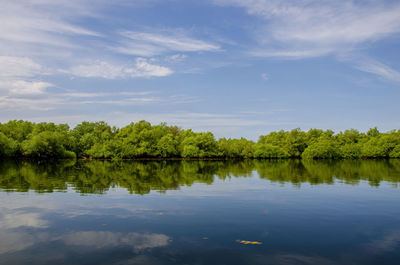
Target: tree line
98	140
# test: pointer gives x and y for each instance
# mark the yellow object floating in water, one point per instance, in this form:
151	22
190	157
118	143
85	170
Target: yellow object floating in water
160	213
245	242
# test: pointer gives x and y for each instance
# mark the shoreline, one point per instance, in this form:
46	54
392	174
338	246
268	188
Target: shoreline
192	159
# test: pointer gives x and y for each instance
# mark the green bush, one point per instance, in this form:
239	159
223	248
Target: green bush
350	151
8	147
374	149
395	153
269	151
44	145
191	151
322	149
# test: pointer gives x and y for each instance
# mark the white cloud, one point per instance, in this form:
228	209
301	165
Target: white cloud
103	239
379	69
295	53
130	99
23	104
95	95
14	67
141	68
309	28
85	95
41	22
26	103
145	69
140	49
123	102
15	73
53	33
12	241
387	243
22	87
264	76
149	44
176	58
14	220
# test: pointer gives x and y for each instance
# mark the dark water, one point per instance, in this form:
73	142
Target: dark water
197	212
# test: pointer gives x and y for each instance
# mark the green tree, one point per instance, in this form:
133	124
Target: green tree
269	151
325	148
8	147
235	148
203	142
86	134
350	150
295	143
168	146
46	144
374	148
191	151
395	153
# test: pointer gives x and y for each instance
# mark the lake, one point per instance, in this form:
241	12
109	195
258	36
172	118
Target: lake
200	212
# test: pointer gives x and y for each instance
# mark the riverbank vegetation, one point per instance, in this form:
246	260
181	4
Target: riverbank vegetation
98	140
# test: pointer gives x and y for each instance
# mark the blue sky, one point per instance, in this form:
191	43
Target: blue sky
233	67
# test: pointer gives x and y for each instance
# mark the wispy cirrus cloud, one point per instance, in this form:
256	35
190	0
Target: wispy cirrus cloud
13	67
103	94
14	103
22	87
42	22
42	102
141	68
39	37
176	58
35	34
150	44
310	28
28	27
18	76
380	69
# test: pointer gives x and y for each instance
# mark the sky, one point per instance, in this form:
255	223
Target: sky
237	68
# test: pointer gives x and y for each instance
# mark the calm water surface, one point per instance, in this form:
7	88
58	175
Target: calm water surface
197	212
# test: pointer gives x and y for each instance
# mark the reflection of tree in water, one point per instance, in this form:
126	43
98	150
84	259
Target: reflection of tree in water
41	177
353	171
141	177
281	170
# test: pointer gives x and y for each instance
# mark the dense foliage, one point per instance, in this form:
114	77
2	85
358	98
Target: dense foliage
142	140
